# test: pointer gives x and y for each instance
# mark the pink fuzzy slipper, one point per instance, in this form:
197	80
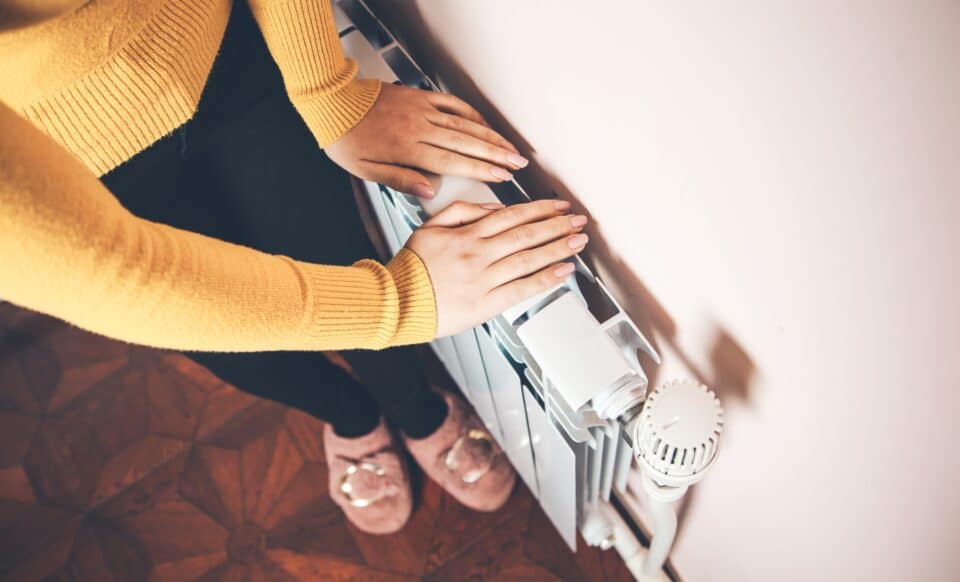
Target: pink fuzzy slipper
369	480
463	458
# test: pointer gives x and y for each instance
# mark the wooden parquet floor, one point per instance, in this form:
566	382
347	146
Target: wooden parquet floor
123	463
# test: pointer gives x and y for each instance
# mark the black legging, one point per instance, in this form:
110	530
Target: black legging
245	169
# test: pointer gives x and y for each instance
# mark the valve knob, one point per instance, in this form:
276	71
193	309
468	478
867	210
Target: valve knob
677	434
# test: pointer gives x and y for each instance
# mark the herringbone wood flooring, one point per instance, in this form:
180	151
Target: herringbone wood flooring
123	463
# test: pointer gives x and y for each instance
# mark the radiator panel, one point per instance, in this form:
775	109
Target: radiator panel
506	393
475	384
555	460
571	455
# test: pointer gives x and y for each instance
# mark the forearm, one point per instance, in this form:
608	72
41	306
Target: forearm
321	83
69	249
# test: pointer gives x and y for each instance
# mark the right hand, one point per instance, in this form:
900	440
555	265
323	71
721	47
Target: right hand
483	259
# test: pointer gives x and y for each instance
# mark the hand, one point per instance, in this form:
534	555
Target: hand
410	128
482	259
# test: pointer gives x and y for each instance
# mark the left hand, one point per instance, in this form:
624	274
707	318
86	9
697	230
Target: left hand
410	128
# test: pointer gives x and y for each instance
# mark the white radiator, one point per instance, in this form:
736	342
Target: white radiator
557	379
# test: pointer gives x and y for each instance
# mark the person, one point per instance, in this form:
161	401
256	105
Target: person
162	182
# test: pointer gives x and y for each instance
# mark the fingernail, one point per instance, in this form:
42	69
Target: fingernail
563	269
578	241
578	221
423	190
561	204
492	206
500	174
517	161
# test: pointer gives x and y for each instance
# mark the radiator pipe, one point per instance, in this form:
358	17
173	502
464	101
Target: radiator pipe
661	499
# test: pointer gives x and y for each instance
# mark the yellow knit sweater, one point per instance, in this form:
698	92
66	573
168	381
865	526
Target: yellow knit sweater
84	87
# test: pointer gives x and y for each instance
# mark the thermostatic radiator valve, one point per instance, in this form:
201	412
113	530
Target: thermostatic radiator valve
676	439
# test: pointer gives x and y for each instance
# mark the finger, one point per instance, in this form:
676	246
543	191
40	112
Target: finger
449	163
519	290
519	214
398	178
461	212
523	263
464	125
468	145
532	235
450	104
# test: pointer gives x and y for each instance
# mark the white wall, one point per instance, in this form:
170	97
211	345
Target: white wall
775	190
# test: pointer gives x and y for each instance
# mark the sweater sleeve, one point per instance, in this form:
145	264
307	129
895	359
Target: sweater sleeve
69	249
302	37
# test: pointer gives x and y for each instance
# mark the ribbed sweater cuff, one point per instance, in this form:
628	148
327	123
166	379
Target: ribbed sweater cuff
368	305
331	116
302	37
418	303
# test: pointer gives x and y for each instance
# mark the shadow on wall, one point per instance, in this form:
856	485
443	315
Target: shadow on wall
729	371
